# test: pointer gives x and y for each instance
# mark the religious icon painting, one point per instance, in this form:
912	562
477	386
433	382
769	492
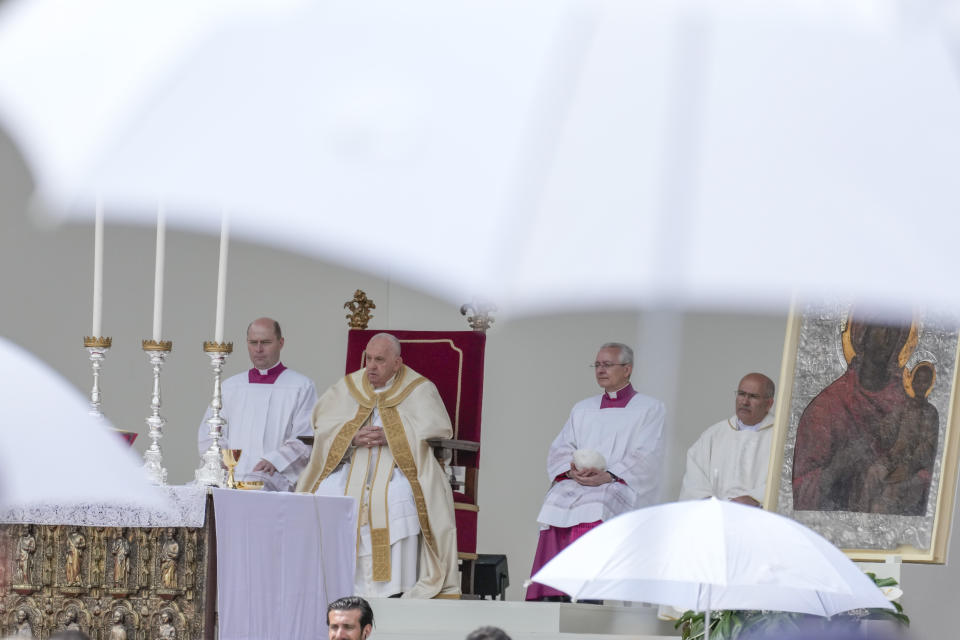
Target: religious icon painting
865	450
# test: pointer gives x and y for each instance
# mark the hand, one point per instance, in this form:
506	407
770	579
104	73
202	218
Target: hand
370	436
589	477
747	500
263	465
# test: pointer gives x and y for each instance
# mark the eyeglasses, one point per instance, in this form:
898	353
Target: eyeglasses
743	395
607	365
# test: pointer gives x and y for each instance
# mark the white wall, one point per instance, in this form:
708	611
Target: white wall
536	367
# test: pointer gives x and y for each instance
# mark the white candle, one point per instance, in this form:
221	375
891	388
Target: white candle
221	279
98	270
158	274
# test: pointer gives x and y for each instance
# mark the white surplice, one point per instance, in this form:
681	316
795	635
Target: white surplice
264	420
630	438
729	462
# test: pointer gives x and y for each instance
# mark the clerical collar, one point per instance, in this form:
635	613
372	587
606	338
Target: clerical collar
386	386
259	376
748	427
617	399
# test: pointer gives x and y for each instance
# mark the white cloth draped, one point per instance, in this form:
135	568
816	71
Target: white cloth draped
264	420
629	438
280	559
728	462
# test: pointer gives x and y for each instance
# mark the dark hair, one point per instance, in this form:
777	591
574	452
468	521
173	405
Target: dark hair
488	633
348	604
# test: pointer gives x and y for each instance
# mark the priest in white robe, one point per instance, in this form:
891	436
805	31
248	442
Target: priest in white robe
266	409
731	458
606	461
371	431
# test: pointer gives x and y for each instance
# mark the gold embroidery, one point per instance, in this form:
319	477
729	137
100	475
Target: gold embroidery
380	547
362	400
396	438
341	442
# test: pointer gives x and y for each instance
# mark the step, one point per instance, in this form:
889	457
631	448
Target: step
398	619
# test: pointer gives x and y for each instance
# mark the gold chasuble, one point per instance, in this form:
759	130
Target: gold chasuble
412	412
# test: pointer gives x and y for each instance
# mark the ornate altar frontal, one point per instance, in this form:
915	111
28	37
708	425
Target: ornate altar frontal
113	583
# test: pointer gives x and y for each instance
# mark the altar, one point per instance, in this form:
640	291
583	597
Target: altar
217	564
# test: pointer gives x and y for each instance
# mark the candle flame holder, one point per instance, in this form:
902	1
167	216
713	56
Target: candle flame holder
97	347
157	352
211	471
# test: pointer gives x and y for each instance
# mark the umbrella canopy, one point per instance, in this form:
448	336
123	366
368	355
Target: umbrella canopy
711	554
53	452
540	153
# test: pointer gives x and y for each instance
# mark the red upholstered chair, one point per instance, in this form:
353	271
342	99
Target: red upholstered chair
453	361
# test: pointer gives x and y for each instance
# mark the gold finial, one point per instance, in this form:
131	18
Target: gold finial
480	318
359	307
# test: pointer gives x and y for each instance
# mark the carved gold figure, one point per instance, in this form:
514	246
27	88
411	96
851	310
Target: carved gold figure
24	630
117	630
121	564
76	542
169	553
167	630
26	546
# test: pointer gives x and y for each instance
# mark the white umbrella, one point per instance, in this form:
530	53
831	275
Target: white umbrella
53	452
540	152
712	554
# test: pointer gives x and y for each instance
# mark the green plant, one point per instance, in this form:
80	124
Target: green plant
731	624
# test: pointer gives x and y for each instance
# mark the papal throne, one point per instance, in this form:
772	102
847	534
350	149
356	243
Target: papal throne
453	361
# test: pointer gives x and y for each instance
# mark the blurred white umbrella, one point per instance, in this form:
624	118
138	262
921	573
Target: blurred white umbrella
540	153
712	554
53	452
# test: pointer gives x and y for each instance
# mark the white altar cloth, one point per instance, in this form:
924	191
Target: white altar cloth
186	509
281	558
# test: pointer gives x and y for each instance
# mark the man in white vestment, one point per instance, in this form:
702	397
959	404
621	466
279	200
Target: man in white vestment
266	409
730	459
605	461
371	431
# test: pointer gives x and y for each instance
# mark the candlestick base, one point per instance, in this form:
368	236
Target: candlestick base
211	471
157	352
97	348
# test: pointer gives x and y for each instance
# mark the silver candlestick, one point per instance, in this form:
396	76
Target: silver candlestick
211	470
157	352
97	347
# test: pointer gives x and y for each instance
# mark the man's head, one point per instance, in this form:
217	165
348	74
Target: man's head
754	398
264	341
382	359
613	366
488	633
350	618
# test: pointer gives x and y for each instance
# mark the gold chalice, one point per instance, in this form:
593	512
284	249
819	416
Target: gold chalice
230	459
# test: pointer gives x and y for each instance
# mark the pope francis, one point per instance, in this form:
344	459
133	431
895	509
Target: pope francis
371	432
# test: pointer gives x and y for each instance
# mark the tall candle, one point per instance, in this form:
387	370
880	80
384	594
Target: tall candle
221	279
158	274
98	270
